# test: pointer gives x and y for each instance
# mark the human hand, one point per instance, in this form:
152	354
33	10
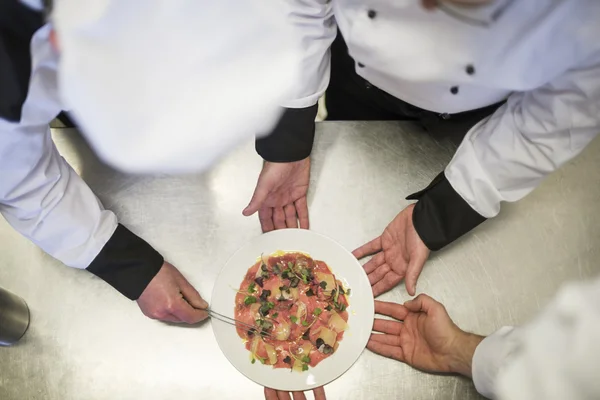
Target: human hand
272	394
170	297
399	254
280	195
426	339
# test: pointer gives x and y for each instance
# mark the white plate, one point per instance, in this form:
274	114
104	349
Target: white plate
344	266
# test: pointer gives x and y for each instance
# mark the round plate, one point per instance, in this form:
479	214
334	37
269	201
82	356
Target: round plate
345	267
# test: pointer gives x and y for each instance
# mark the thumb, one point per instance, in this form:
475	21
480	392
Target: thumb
413	271
258	198
421	303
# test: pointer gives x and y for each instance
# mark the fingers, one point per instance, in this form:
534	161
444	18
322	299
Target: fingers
369	248
291	219
191	295
415	266
393	310
271	394
421	303
265	216
386	350
389	281
374	262
299	395
186	313
319	393
281	395
302	211
391	340
378	274
385	326
278	218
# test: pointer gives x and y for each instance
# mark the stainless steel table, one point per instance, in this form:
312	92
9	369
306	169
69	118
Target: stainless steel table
88	342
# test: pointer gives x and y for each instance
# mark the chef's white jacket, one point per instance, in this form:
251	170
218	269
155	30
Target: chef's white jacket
156	87
554	357
541	56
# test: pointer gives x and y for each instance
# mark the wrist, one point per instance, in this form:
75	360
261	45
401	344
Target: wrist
461	359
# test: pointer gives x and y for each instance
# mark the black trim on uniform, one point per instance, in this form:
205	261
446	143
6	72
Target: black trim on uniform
293	137
18	23
127	263
441	215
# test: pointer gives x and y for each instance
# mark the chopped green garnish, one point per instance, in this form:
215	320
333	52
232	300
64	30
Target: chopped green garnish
317	311
251	287
323	284
249	300
275	315
294	282
293	318
264	267
328	308
340	306
305	359
348	292
310	292
290	265
304	367
342	290
276	269
253	361
305	323
327	349
287	360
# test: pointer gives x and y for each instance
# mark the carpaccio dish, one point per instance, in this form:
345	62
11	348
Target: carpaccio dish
296	309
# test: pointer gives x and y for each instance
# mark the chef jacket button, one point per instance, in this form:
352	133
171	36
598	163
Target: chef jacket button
454	89
371	14
470	69
361	65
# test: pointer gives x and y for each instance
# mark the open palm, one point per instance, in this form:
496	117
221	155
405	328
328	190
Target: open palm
399	253
426	339
280	195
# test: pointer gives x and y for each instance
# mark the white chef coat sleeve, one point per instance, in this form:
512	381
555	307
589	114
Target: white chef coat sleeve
314	27
556	356
45	200
504	157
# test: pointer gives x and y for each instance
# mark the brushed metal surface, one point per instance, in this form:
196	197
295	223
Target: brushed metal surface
14	318
88	342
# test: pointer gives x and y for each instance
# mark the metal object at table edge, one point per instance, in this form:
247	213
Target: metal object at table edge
14	318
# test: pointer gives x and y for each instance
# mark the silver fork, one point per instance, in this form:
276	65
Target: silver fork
234	322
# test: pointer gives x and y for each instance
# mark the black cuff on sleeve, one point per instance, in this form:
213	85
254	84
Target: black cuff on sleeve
441	215
292	139
127	263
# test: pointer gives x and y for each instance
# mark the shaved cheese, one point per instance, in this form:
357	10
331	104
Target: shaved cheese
327	278
337	323
328	336
282	331
301	311
271	353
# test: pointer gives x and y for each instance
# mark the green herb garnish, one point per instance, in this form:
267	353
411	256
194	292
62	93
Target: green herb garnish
323	284
275	315
253	361
252	287
305	323
304	367
249	300
348	292
276	269
310	292
290	265
293	318
287	360
305	359
328	308
317	311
